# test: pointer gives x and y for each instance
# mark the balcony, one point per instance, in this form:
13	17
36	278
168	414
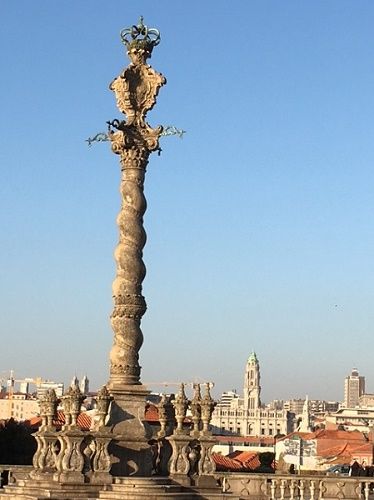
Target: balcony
281	487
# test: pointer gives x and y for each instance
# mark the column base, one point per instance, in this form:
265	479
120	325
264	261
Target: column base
130	452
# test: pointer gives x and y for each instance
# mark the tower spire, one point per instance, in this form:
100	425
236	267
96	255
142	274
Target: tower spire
252	388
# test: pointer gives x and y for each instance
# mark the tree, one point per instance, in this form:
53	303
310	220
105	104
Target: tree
17	445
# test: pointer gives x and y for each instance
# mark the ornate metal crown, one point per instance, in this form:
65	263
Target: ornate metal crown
140	36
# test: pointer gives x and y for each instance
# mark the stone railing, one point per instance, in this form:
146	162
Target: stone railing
184	451
9	474
279	487
71	454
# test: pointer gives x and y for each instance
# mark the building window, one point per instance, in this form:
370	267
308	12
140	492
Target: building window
262	431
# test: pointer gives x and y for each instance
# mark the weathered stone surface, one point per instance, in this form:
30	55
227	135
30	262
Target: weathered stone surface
133	139
130	452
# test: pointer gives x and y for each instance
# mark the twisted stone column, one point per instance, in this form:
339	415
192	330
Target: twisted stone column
133	139
135	89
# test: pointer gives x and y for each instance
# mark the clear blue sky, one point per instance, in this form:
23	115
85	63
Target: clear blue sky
260	221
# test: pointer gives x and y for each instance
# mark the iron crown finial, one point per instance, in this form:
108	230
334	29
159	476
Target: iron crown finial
140	35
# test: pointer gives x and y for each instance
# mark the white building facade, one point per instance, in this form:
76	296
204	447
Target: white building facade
247	416
19	407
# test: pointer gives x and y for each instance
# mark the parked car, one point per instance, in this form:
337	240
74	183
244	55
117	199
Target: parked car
339	470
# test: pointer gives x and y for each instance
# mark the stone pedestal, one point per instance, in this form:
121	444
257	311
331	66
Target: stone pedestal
179	465
130	452
206	464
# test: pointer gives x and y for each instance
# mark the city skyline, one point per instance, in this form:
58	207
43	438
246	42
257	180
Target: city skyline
258	221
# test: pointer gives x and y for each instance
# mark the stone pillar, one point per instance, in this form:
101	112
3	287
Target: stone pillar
45	457
71	460
100	459
135	89
179	463
196	411
206	465
133	140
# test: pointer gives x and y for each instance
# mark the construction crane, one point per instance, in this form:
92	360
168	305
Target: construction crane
177	384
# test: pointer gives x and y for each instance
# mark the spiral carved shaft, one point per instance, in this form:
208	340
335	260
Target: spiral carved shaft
129	304
136	89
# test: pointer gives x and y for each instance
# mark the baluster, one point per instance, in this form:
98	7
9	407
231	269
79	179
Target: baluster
273	488
312	489
302	489
264	486
322	489
292	489
224	484
282	488
367	490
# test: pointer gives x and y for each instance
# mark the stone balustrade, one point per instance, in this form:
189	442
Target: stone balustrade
282	487
71	455
267	486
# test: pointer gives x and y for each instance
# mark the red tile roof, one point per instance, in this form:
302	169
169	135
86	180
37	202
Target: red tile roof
347	453
327	434
338	446
249	459
83	421
238	461
226	464
151	413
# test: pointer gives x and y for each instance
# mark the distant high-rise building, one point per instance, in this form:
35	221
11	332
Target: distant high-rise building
294	405
44	386
227	398
24	387
315	406
354	387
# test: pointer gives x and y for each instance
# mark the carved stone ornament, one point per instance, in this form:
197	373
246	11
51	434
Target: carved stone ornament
72	402
135	89
73	459
196	410
45	457
179	462
180	404
162	415
206	463
48	407
101	460
103	399
207	408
